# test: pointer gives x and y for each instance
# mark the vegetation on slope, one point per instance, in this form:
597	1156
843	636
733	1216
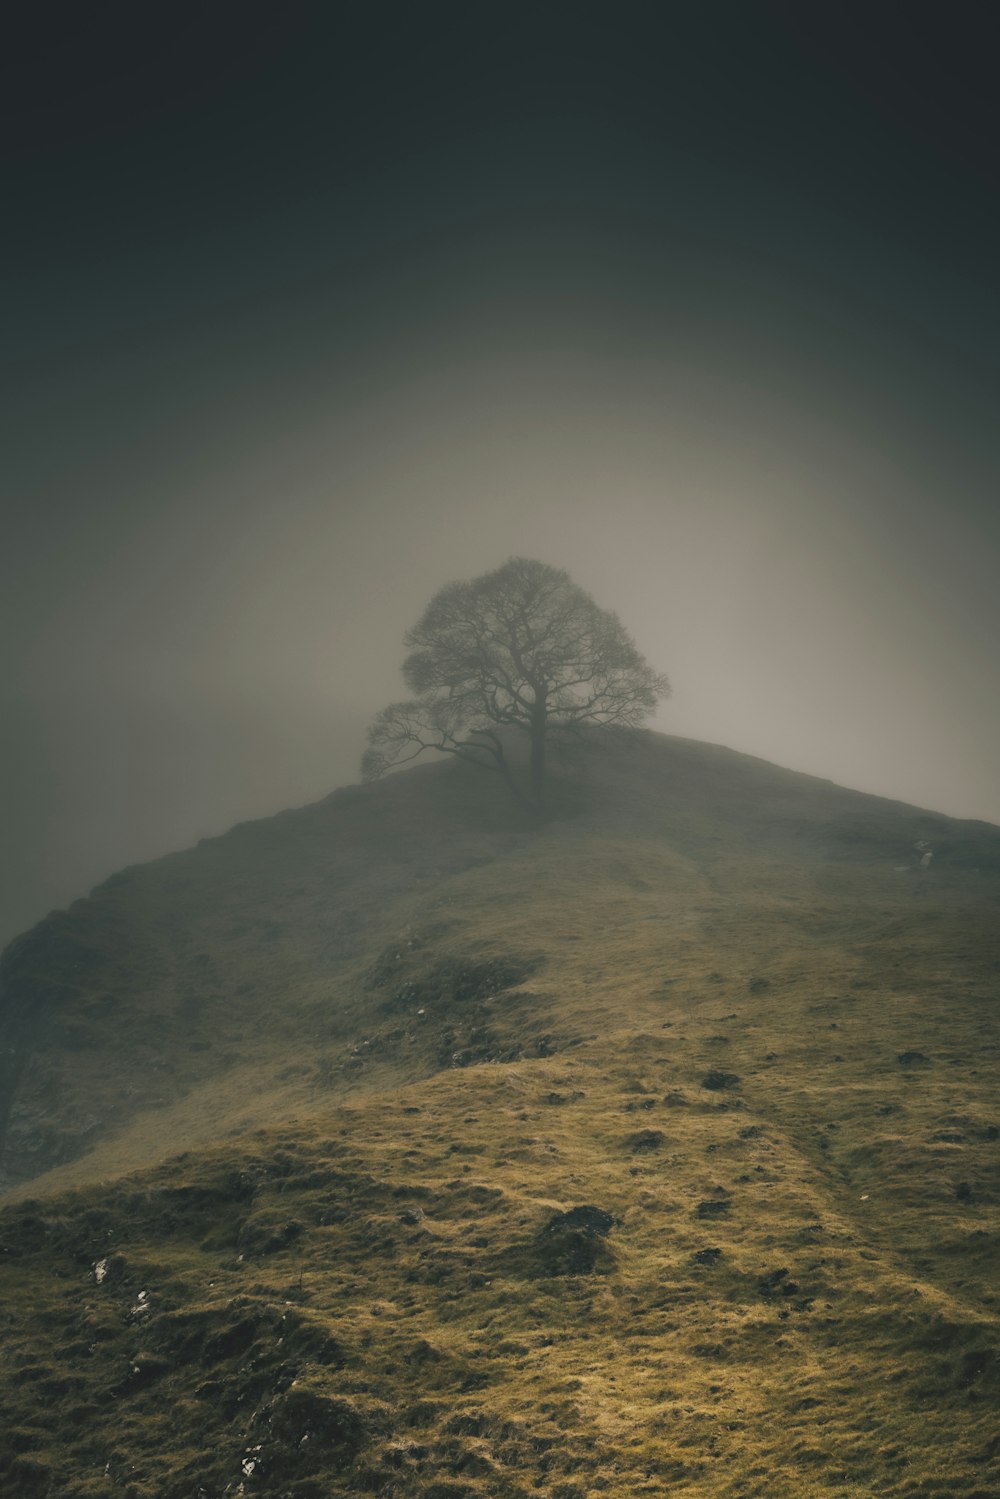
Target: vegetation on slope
652	1151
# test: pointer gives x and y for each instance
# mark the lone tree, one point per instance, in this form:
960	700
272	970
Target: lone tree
521	647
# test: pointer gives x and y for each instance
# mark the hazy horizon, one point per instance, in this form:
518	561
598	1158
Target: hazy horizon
315	314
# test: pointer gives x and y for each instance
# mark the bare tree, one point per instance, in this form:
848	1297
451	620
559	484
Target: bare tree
521	647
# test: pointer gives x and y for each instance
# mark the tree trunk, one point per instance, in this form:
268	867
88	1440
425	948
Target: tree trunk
539	715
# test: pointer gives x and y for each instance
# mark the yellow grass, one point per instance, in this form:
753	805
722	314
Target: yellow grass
743	1023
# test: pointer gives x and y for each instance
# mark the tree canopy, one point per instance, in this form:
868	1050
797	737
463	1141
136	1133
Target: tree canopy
522	647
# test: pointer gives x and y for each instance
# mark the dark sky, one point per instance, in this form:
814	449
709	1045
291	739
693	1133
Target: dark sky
315	308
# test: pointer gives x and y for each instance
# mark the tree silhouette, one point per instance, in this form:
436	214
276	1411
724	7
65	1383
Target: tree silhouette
522	647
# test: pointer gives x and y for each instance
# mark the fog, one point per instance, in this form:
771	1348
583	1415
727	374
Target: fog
290	359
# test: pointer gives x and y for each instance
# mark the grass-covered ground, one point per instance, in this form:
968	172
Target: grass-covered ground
399	1146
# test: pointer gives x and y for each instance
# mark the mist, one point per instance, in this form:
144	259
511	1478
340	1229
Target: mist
701	313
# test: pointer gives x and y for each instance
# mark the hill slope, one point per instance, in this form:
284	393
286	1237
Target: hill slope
651	1149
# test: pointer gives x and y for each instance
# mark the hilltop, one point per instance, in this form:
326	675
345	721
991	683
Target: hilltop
404	1144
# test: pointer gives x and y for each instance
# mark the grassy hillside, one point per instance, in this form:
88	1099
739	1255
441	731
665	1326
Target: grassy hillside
402	1146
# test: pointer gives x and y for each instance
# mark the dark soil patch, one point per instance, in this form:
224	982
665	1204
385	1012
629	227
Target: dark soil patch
646	1139
713	1207
571	1243
715	1080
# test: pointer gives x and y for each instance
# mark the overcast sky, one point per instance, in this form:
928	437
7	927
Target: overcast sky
316	308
